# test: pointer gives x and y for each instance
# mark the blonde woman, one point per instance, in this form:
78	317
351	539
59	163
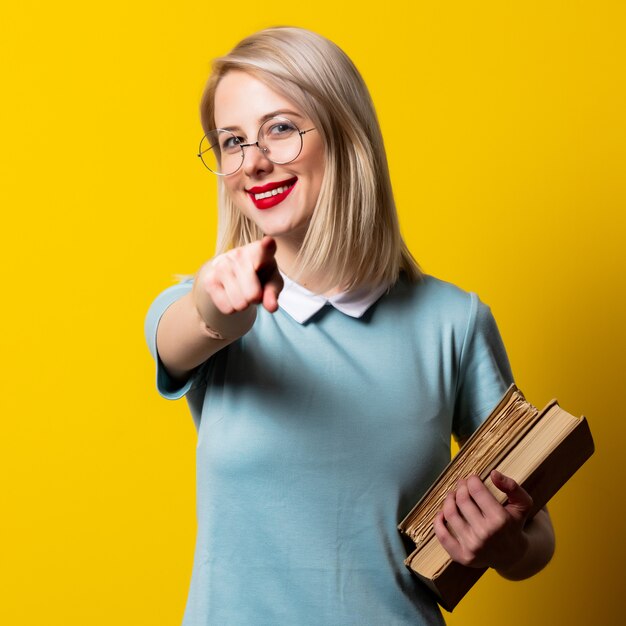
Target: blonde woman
324	372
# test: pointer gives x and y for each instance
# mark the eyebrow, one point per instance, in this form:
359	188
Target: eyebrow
267	116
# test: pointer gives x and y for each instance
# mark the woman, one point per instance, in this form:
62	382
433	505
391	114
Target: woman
324	413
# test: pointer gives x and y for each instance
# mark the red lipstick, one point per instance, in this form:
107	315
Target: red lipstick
267	196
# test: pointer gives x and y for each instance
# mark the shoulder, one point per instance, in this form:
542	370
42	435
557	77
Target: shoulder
169	296
433	298
158	307
432	289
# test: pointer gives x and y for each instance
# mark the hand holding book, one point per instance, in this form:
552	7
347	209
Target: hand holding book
540	450
477	531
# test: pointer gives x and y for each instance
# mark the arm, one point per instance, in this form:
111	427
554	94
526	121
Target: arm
476	530
540	541
219	308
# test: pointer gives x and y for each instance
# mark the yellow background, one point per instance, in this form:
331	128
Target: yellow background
505	128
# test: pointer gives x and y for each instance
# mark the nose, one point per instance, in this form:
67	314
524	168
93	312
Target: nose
255	161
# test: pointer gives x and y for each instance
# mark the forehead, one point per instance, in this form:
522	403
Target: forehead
243	100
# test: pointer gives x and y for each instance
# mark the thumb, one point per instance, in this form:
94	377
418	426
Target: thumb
520	502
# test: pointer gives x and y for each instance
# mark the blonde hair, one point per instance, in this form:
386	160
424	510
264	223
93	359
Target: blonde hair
353	238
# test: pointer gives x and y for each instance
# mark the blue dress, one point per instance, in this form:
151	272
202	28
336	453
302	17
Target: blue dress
314	441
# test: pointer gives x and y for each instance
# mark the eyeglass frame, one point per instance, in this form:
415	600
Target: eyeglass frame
262	149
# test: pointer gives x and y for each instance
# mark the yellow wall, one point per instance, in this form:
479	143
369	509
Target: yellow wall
505	129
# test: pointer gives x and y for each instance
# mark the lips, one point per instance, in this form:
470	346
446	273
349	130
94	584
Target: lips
267	196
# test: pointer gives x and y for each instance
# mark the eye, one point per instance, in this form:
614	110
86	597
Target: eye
281	129
231	143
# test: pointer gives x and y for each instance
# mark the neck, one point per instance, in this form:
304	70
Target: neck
287	250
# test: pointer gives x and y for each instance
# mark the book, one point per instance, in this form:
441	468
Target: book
540	450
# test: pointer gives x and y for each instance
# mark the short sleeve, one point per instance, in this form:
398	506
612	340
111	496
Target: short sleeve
165	384
484	372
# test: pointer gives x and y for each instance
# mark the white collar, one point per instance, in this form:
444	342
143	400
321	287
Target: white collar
302	304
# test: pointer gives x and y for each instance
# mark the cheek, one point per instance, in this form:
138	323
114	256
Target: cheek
231	187
228	186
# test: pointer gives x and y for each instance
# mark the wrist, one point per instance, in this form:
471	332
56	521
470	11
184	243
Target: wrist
216	325
508	566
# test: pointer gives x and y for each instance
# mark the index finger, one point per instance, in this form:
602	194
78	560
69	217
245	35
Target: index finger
266	256
486	501
516	494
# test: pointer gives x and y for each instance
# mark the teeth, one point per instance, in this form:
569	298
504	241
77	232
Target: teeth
273	192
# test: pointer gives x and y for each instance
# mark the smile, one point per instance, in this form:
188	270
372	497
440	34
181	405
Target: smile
267	196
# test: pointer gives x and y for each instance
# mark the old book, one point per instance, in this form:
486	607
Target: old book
540	450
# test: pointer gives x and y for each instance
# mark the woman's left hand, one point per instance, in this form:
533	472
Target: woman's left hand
476	530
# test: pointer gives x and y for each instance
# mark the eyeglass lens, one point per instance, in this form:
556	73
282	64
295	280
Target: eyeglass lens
222	151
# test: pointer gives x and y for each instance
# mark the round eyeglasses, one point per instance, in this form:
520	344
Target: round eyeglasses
278	139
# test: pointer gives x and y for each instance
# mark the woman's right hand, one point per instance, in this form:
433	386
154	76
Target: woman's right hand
230	283
218	309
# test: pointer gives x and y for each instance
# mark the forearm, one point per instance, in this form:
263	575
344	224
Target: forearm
184	340
539	536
